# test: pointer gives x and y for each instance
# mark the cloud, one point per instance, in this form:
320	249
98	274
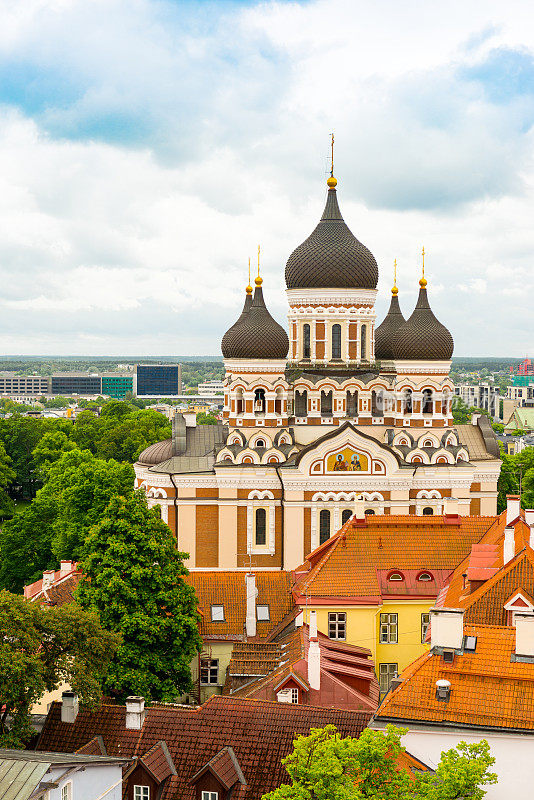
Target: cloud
147	146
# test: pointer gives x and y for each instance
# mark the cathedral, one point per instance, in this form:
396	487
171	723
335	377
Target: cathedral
339	415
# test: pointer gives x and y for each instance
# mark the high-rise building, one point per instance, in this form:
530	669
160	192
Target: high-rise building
158	380
67	384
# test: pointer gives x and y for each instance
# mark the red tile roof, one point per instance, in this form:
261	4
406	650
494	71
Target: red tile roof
158	762
60	592
225	767
488	689
349	564
260	733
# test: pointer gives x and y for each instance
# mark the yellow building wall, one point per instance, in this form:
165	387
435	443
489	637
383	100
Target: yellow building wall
221	651
363	629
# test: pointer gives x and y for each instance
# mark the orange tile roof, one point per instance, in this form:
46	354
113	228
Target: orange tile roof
228	589
487	689
346	565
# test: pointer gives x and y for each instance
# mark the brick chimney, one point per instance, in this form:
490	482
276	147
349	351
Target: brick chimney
135	713
446	628
513	505
314	655
69	707
48	578
524	634
65	568
252	593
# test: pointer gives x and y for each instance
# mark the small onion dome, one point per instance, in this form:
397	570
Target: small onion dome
422	337
258	335
231	333
156	453
385	333
331	257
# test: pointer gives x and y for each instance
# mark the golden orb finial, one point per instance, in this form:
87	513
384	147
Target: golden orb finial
331	182
258	281
394	290
423	282
249	287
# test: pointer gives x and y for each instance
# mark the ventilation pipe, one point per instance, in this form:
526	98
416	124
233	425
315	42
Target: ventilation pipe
135	713
69	707
252	593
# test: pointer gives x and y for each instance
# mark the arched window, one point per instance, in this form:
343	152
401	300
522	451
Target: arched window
259	401
428	511
259	443
428	443
352	404
306	351
273	460
428	405
377	404
408	404
336	341
324	525
369	512
278	402
326	404
346	515
425	576
261	527
363	343
395	576
240	405
301	403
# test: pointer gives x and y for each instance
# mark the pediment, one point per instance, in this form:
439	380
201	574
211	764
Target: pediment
346	452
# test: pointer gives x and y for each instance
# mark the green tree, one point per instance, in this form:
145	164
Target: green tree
54	526
7	476
50	449
326	766
206	419
134	579
39	648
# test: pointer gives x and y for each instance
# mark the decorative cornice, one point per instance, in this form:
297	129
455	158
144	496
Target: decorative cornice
328	296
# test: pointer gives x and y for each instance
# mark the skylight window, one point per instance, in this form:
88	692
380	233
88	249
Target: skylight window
262	613
470	643
217	613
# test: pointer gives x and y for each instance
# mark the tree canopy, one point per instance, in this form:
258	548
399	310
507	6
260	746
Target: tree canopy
517	472
42	647
326	766
134	579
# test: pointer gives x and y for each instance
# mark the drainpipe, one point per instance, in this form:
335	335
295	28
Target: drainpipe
171	476
282	514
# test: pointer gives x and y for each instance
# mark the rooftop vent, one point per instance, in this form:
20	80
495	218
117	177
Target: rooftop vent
448	656
443	690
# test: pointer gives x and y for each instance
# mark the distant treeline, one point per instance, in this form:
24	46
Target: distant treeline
491	364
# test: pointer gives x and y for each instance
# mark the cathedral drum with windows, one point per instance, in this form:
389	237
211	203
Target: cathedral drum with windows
339	411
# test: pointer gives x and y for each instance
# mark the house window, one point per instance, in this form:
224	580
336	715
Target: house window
261	527
259	443
288	696
262	613
428	511
306	337
140	793
326	404
336	341
389	633
408	405
259	401
396	576
324	526
294	695
209	671
386	673
66	791
217	613
337	625
301	403
425	622
352	404
428	404
210	795
346	515
425	576
363	343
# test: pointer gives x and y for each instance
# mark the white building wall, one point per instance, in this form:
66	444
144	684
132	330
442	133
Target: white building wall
92	783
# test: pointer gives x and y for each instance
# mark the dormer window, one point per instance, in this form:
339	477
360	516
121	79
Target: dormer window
210	795
425	576
396	576
140	793
260	443
217	613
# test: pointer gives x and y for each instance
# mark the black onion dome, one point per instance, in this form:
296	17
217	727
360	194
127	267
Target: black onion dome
331	257
385	333
422	337
231	334
258	335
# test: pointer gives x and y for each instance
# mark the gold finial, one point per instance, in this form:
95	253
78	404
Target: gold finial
423	281
331	182
258	280
249	287
394	289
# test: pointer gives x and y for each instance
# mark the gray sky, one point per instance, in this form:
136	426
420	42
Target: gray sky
147	147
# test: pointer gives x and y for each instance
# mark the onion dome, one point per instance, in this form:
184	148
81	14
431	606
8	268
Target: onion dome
231	334
385	333
156	453
256	334
331	257
422	337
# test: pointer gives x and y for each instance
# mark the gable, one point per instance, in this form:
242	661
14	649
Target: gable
347	453
491	606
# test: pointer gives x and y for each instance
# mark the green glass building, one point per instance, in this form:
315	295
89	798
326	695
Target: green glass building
117	385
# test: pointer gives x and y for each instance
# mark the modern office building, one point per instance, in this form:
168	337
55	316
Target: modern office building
158	380
211	388
24	385
69	384
116	385
482	395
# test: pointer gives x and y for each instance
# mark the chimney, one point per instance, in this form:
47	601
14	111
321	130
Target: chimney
524	634
69	707
314	655
513	503
446	627
135	713
190	419
359	513
529	519
252	593
48	578
65	568
508	548
299	619
452	506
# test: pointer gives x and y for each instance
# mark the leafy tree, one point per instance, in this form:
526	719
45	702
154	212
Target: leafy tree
206	419
134	578
39	648
514	468
7	476
325	766
54	526
50	449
